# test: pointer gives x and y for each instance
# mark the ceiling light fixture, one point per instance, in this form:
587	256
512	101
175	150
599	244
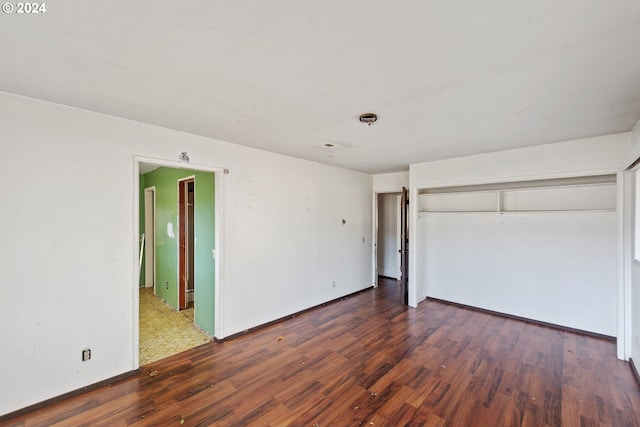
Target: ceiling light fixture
368	118
331	146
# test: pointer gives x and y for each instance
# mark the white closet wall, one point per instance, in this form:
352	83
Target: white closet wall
541	250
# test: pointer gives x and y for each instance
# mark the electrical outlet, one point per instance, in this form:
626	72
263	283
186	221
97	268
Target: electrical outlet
334	283
86	354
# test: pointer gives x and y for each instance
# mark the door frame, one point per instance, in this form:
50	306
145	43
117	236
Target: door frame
374	232
377	245
219	176
404	241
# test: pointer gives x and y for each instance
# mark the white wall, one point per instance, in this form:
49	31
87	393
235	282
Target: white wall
388	235
67	249
593	156
632	298
556	267
390	182
634	140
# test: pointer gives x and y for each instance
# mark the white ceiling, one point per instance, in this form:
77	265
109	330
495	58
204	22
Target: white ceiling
446	78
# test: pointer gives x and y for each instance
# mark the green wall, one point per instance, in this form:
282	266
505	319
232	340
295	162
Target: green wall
205	244
165	180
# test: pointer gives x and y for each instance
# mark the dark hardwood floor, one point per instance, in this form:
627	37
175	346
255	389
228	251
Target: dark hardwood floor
368	361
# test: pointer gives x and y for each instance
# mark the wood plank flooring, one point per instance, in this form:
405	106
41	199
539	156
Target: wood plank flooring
368	361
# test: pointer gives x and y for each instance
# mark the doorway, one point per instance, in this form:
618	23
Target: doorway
388	236
391	237
185	203
404	245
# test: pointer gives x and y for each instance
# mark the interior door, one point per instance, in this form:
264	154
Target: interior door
398	268
185	242
191	239
404	245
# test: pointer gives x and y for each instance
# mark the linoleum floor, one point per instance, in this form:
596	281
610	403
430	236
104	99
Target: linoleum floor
165	331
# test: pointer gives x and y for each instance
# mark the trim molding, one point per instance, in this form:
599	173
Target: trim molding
65	396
